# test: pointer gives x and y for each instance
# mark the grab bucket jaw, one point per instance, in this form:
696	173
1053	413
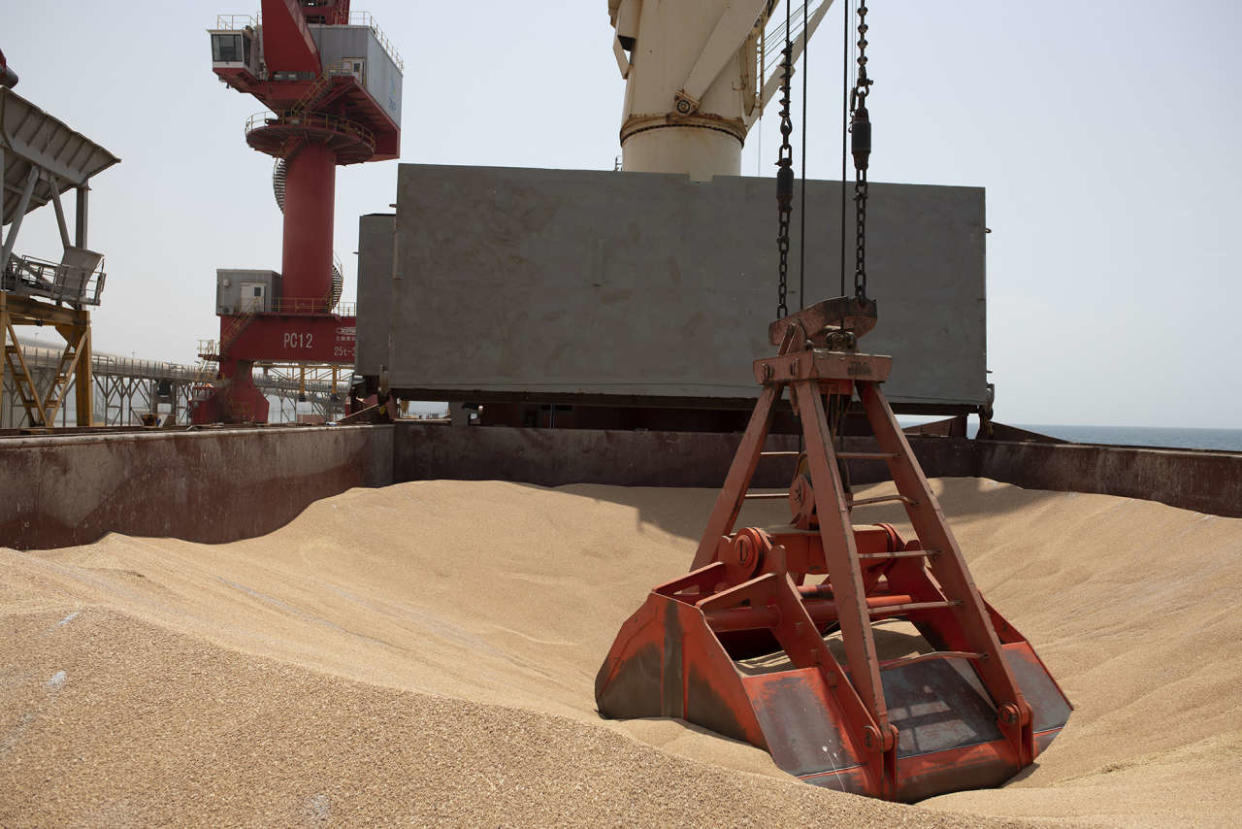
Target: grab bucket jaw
669	661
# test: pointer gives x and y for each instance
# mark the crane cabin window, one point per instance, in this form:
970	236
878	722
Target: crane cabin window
229	48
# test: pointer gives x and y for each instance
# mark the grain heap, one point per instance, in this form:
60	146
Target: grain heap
406	654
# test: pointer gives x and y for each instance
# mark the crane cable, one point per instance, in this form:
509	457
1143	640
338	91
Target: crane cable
785	173
848	9
860	148
806	74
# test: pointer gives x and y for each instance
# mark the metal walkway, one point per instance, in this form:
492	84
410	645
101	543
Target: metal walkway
127	388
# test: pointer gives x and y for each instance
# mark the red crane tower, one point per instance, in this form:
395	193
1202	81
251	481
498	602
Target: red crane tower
332	85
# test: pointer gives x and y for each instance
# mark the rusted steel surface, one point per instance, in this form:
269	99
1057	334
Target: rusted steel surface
857	314
1009	434
953	427
211	486
554	457
223	485
1208	482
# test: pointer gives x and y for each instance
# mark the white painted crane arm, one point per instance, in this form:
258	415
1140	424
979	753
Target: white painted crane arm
624	17
734	26
799	46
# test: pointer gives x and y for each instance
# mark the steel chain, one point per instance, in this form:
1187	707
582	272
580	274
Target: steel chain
785	176
860	146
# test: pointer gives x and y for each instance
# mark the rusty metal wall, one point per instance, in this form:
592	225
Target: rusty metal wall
223	485
1208	482
554	457
209	486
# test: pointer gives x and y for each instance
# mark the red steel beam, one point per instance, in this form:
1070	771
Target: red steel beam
287	42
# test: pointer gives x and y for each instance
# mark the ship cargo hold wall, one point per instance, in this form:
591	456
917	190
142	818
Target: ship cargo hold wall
226	484
210	485
646	289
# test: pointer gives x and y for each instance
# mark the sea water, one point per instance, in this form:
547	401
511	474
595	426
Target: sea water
1226	440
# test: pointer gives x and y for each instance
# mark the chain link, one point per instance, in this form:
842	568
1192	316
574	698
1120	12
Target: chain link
860	237
785	176
860	146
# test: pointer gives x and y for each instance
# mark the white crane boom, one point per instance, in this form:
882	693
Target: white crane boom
694	80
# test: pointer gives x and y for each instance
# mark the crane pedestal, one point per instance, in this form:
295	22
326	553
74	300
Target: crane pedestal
247	340
310	201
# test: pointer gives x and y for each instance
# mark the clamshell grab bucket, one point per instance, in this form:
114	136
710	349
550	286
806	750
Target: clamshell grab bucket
671	660
749	645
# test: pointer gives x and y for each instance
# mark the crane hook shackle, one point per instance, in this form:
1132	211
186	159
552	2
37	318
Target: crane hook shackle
785	188
860	138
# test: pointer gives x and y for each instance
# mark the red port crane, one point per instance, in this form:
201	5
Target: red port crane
332	85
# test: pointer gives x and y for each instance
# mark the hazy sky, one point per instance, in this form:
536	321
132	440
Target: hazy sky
1106	133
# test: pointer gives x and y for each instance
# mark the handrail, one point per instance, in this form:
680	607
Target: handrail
110	364
33	276
291	306
236	22
367	19
311	120
306	306
203	374
241	22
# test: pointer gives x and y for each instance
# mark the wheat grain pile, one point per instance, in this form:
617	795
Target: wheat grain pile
426	653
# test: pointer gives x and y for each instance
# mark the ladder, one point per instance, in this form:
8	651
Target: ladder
230	333
312	96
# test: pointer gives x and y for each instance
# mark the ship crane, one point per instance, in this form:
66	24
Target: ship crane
698	75
331	83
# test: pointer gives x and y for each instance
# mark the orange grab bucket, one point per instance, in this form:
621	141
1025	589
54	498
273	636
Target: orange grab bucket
751	645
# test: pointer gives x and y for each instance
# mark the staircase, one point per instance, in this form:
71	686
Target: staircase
279	175
233	330
312	96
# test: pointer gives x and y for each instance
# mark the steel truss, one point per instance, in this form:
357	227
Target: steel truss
43	394
131	392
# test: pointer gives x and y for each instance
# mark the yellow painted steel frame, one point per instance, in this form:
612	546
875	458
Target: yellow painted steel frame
73	369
